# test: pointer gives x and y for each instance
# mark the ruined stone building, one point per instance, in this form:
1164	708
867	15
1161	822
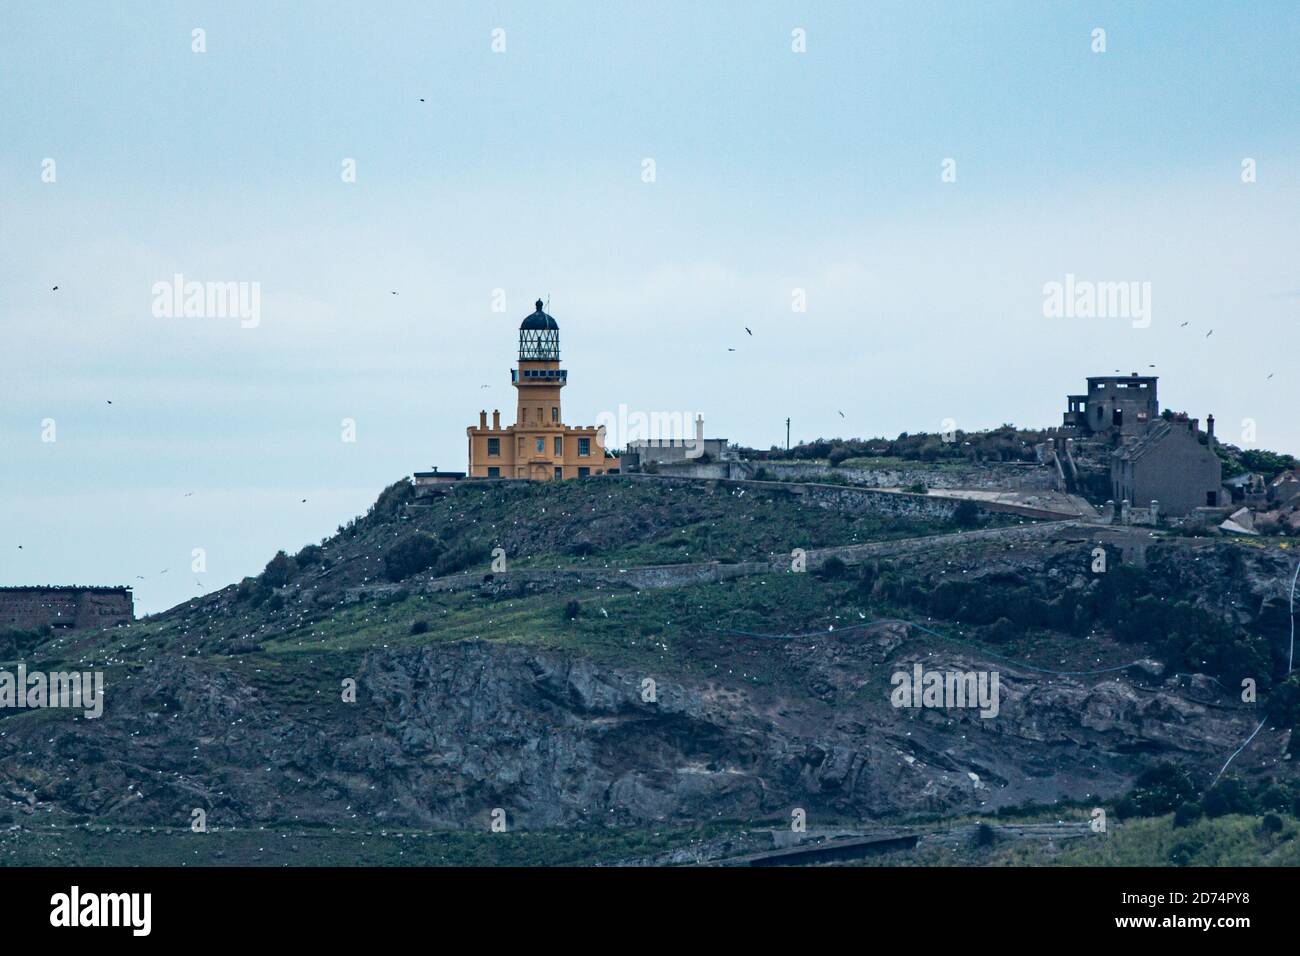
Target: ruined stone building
538	446
30	608
1171	462
1116	406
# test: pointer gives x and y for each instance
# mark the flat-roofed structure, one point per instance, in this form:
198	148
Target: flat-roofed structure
64	607
1114	406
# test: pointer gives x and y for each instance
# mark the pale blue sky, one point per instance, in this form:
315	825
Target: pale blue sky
522	171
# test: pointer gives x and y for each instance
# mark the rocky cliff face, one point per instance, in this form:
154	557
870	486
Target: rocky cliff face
439	737
652	713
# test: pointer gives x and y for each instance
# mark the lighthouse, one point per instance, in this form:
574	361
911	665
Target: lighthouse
538	446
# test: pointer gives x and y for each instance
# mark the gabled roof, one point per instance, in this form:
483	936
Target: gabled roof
1153	436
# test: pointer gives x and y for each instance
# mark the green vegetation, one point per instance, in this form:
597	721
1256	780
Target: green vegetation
368	846
966	514
1129	602
1260	461
16	642
1233	840
1005	443
1270	464
1158	790
415	553
1164	788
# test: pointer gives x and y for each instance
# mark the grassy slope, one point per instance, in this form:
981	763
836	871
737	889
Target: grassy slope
1225	841
396	847
630	522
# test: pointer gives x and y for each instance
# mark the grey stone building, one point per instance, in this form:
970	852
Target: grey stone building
1171	462
1115	407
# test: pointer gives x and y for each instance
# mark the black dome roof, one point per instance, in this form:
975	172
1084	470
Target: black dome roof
539	320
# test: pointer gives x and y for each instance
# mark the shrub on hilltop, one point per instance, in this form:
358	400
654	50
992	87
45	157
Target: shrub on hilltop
415	553
278	570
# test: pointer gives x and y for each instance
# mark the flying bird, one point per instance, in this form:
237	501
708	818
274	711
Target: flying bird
1184	325
304	501
55	289
110	401
392	293
747	330
731	350
1270	375
841	414
1209	333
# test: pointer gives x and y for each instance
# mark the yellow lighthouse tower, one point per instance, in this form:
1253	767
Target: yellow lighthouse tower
538	446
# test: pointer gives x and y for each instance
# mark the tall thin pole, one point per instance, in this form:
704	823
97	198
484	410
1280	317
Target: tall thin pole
787	436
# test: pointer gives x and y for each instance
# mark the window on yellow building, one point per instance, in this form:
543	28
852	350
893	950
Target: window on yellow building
494	472
559	446
584	447
494	447
555	414
541	446
584	472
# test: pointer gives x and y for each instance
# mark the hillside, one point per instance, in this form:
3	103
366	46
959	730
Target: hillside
525	689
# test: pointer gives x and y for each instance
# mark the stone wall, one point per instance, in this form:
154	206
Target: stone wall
990	476
653	577
850	498
26	609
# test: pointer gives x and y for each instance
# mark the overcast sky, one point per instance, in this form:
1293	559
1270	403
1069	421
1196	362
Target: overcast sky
525	171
